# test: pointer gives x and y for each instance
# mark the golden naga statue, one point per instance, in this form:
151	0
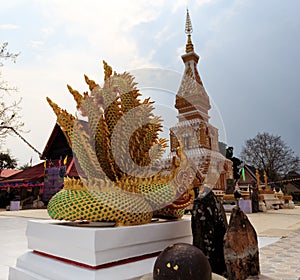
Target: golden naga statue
116	148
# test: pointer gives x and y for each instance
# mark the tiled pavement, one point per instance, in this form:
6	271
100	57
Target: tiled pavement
278	231
281	260
13	242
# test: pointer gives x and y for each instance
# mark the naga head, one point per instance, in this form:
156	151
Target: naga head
184	177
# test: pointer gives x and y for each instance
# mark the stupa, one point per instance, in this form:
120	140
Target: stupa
199	138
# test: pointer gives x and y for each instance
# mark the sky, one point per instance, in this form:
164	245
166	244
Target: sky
249	59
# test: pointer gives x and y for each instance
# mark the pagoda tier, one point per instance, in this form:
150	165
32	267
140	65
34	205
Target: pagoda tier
192	101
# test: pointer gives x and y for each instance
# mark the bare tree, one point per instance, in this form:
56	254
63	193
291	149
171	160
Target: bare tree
9	111
271	154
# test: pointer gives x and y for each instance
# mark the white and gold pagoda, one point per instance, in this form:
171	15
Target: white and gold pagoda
198	136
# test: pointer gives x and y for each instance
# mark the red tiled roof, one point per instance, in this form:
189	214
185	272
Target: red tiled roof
35	173
8	172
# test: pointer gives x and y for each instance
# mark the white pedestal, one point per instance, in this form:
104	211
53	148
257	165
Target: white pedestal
68	252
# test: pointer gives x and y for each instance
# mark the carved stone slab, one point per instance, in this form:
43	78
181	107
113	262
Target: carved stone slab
241	247
209	225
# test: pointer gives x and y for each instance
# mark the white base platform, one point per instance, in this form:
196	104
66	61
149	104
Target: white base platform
63	252
31	266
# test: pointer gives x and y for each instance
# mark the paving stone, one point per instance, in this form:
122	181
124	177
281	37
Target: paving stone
13	242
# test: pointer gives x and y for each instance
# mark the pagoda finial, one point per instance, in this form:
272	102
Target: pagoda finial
188	23
188	30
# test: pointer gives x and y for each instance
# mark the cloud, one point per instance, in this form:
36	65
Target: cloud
9	26
36	44
63	41
47	31
102	29
203	2
95	18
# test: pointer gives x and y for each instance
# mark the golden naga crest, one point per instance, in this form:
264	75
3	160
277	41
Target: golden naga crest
116	144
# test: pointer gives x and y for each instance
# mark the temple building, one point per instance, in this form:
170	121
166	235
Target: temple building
198	137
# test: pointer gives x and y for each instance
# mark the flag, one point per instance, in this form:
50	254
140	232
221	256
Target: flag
243	174
65	160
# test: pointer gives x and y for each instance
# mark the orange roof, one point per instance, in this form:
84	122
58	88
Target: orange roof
8	172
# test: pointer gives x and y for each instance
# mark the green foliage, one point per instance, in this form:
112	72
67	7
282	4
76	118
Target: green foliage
7	162
25	166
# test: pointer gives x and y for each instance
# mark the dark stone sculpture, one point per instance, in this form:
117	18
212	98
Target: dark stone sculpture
236	163
241	247
254	197
181	261
209	225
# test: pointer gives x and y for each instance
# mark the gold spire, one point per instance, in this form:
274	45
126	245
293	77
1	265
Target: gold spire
188	23
189	47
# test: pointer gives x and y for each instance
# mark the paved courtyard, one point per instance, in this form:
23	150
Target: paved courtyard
278	231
